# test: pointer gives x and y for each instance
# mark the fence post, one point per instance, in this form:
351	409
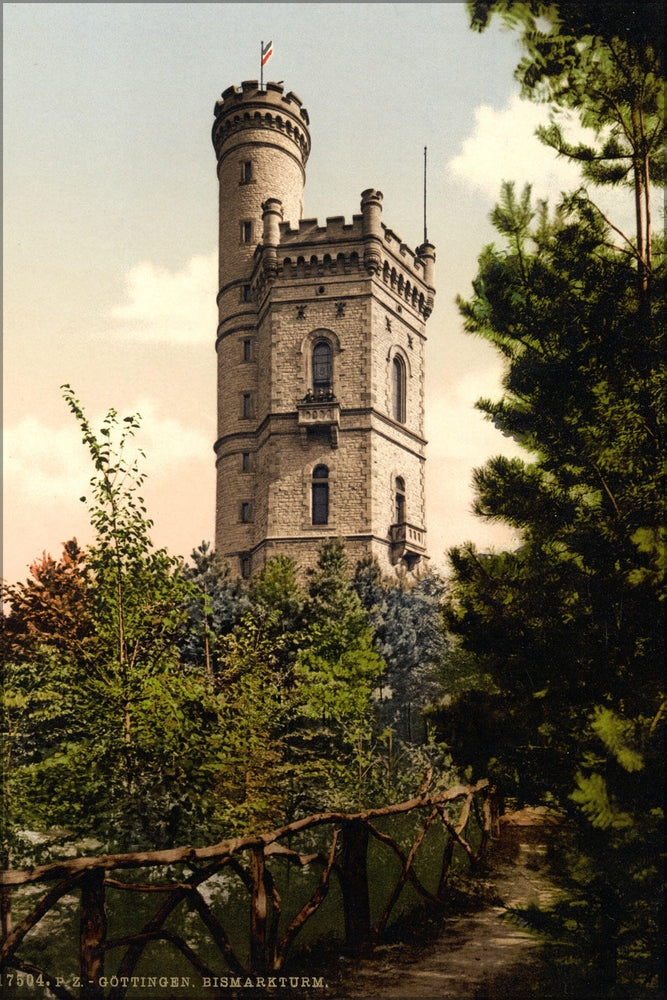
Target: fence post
93	935
5	900
354	883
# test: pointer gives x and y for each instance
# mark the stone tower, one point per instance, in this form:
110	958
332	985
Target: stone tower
320	348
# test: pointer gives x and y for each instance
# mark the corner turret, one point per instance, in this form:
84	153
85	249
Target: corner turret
371	216
272	214
426	253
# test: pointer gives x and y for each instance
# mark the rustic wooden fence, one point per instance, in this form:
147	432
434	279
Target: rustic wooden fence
252	860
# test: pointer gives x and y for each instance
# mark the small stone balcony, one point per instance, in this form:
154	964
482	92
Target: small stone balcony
317	411
408	543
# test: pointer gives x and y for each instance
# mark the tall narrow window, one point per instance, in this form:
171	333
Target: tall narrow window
247	349
398	389
399	500
246	232
245	511
247	405
245	293
322	368
246	566
320	495
245	461
246	171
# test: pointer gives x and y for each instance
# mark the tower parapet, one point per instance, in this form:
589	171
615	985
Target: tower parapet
271	108
262	142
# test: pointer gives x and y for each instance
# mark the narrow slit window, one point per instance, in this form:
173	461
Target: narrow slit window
398	389
247	405
320	495
246	232
399	500
245	461
247	349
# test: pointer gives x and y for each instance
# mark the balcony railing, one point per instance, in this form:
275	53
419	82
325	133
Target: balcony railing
319	410
408	543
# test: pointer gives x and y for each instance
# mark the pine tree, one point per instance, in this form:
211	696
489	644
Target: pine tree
569	627
408	635
336	671
215	604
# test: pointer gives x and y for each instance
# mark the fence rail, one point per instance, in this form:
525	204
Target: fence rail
252	860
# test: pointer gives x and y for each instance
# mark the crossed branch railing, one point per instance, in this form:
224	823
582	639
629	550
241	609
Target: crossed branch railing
270	942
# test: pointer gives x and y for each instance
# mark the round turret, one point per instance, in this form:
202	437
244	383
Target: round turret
262	142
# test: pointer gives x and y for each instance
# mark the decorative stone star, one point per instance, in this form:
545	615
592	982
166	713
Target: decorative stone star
388	322
340	309
300	312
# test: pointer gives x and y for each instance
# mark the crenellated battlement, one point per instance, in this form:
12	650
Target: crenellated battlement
395	254
310	230
247	106
249	91
310	250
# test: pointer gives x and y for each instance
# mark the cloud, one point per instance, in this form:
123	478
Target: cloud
163	306
47	470
46	465
503	146
43	464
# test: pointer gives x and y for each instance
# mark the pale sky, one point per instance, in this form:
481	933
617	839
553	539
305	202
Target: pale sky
110	228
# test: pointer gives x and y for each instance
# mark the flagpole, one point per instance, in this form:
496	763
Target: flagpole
261	65
425	235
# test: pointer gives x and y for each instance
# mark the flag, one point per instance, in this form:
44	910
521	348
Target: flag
267	52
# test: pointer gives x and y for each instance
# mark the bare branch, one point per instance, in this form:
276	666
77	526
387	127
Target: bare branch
309	908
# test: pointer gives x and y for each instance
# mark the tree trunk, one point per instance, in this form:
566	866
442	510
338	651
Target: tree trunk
93	935
258	912
354	878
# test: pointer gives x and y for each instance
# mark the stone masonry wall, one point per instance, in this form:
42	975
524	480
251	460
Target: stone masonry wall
323	284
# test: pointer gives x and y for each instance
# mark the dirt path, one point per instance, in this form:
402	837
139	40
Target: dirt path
483	956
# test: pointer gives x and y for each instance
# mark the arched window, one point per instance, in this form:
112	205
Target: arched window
320	490
399	500
322	368
398	389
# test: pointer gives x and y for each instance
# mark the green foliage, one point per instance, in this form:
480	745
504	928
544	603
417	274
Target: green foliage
603	933
567	631
408	635
277	589
250	716
572	619
336	670
103	731
215	604
279	599
604	62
